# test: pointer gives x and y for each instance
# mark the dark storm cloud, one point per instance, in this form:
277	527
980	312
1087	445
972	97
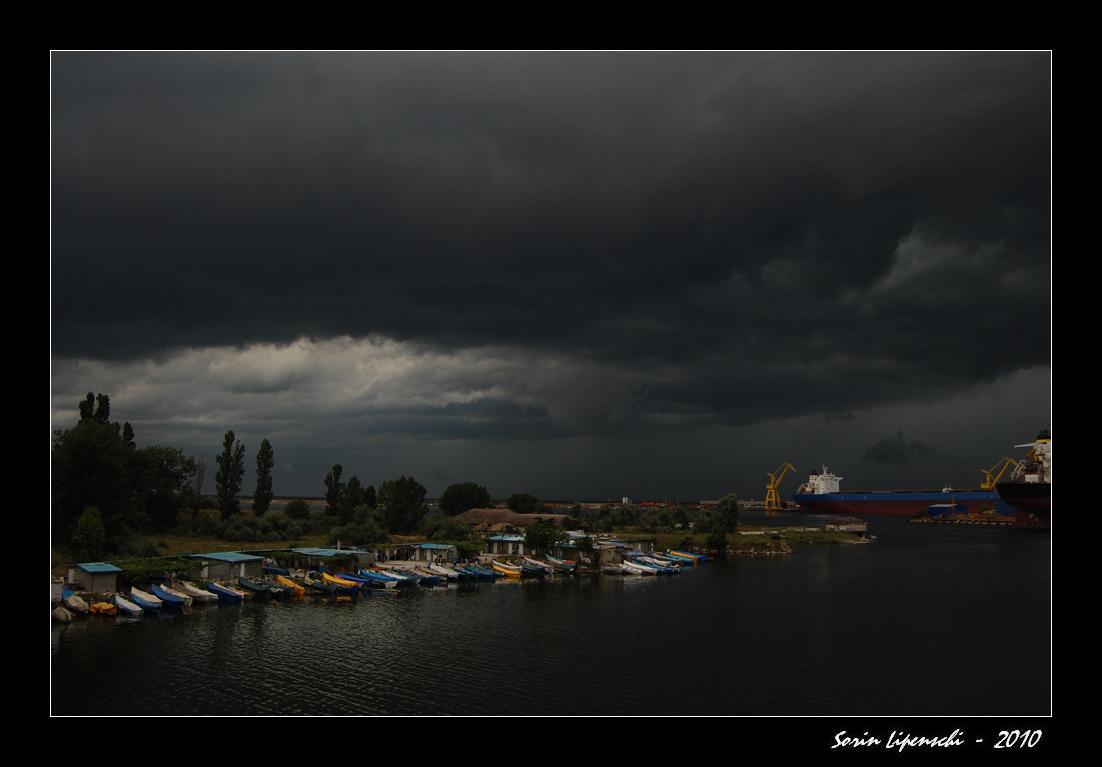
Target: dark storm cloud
897	451
725	236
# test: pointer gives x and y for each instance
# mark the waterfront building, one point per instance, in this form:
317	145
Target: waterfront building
97	577
222	565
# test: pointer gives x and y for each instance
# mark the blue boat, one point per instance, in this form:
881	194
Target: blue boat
378	580
402	579
429	579
273	570
360	579
654	565
147	602
225	593
531	571
482	573
168	599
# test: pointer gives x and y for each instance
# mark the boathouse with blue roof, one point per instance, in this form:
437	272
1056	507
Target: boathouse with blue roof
218	565
97	577
505	544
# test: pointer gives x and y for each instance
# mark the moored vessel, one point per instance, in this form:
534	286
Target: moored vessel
822	493
1029	490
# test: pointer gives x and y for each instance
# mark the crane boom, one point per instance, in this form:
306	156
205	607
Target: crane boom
772	497
992	476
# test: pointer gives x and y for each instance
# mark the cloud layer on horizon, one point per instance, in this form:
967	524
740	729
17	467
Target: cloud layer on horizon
509	247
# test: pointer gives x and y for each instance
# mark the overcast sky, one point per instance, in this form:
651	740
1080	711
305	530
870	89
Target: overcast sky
576	275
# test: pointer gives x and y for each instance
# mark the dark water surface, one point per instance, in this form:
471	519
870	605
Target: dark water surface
926	620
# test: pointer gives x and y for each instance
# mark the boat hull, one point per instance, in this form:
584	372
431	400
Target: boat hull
224	594
1032	502
899	503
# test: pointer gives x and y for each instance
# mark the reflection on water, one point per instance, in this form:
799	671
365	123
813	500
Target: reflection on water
924	621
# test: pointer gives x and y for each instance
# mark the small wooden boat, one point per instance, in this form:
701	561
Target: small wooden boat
295	588
226	593
637	569
318	586
509	571
683	561
378	580
427	578
450	573
258	589
127	607
76	605
361	581
103	608
61	615
404	579
350	588
169	597
691	555
146	601
661	568
197	594
547	568
484	573
612	569
562	565
531	571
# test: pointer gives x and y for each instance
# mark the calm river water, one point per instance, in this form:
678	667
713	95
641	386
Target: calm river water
926	620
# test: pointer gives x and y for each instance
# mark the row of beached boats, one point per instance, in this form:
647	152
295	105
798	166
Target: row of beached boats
279	583
668	563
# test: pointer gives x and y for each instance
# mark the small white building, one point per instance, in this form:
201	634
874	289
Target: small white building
97	577
506	544
435	552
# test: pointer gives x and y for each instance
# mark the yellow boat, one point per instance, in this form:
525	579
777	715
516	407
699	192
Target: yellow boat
285	581
339	581
508	571
103	608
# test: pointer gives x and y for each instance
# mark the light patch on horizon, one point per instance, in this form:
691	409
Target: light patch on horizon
310	384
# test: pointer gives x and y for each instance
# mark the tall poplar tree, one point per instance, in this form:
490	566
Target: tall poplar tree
333	490
265	460
230	474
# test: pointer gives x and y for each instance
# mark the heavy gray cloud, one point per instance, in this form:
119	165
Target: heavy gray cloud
897	451
560	245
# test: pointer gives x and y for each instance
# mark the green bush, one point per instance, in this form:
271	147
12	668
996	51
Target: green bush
298	509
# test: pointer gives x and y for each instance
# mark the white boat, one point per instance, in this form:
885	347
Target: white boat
76	605
178	594
636	568
447	572
542	565
196	593
656	562
126	606
145	600
399	574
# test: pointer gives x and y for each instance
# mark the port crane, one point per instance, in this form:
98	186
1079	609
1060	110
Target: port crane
772	497
995	473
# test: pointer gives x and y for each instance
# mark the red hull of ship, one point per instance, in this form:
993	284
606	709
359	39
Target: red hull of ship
892	508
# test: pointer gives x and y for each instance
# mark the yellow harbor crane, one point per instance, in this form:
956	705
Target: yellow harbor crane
772	497
995	473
